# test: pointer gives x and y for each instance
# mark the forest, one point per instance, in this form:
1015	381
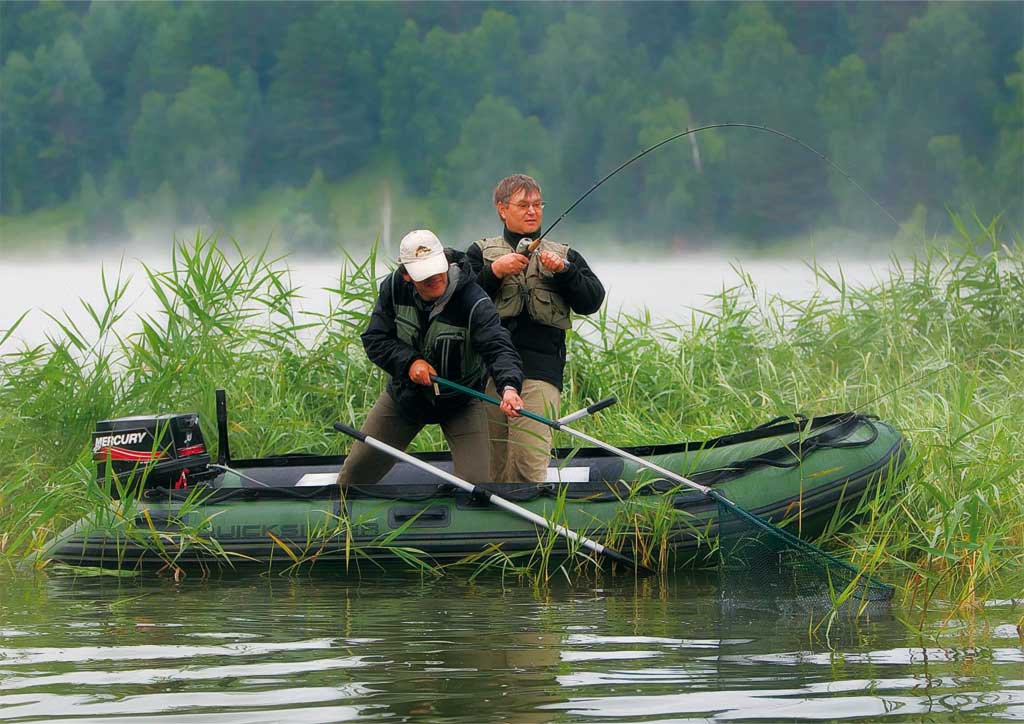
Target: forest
187	113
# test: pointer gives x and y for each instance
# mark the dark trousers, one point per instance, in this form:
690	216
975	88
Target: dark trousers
465	431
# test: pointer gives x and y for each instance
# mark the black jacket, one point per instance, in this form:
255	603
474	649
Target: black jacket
489	339
542	347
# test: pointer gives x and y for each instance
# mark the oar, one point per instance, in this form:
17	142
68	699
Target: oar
560	425
828	562
488	496
589	410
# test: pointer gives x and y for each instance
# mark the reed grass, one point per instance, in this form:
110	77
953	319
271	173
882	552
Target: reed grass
935	348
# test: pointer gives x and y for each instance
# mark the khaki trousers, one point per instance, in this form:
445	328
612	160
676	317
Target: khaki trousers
521	448
465	431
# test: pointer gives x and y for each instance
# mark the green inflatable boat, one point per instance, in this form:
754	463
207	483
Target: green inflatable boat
173	505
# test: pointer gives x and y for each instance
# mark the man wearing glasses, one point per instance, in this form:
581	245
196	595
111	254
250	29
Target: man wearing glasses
535	291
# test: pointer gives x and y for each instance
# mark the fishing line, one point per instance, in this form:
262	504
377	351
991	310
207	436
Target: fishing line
239	473
804	145
757	127
754	126
925	375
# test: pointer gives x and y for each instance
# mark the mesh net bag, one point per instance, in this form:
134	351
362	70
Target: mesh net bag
760	560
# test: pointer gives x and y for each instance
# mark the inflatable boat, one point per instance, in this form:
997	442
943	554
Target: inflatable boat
172	504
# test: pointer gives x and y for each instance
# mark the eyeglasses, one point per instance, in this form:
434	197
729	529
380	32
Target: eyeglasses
525	205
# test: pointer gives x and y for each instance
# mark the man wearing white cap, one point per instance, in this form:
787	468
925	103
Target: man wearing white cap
431	318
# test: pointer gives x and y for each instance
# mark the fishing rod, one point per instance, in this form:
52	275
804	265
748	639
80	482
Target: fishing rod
536	242
766	129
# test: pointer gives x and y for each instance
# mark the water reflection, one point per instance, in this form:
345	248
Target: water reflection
399	649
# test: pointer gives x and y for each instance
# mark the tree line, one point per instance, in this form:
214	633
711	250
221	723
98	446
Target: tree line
192	108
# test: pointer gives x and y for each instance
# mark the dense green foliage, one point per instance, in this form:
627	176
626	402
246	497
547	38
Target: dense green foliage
935	349
185	111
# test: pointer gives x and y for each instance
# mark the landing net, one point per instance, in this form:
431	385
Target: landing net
757	558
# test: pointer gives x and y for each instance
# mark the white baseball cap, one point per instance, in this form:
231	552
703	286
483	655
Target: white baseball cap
422	254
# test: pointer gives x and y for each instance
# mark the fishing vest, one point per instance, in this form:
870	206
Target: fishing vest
531	287
446	346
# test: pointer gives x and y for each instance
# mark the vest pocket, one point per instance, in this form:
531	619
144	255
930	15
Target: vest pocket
448	355
509	300
548	308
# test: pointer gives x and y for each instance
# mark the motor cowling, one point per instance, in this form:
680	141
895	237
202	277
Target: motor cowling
150	451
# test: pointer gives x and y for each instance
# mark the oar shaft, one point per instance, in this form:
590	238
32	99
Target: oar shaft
636	459
791	542
491	497
589	410
558	425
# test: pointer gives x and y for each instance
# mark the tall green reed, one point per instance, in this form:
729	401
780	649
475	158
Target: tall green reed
933	347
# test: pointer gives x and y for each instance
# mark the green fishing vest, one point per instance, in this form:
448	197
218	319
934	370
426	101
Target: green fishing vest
531	287
446	346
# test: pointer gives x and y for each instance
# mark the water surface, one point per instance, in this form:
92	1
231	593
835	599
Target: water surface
395	648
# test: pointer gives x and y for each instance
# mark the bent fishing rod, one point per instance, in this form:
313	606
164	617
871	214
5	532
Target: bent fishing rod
536	242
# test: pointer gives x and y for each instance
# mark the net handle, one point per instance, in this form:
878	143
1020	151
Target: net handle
805	548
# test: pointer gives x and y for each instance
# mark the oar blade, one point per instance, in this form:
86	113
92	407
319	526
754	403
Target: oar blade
627	561
493	499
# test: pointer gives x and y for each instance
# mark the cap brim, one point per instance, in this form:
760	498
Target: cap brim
424	268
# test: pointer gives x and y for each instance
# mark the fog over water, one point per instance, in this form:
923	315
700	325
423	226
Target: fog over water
669	288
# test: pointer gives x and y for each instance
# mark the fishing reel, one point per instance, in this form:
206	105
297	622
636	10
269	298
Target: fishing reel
524	246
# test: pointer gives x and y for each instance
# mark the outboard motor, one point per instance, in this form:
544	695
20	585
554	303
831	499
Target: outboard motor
150	451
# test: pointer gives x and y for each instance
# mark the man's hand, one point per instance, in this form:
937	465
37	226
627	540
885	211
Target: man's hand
552	261
420	372
509	264
511	402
